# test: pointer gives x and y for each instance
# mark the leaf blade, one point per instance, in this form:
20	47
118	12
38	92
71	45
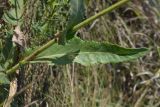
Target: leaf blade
90	52
14	15
4	79
77	13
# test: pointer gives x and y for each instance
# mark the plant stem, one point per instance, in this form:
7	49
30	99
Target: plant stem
75	28
30	57
101	13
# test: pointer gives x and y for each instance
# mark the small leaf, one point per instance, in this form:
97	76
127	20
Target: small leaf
29	51
89	53
77	13
4	79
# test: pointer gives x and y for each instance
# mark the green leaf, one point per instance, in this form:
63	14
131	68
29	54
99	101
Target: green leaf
18	3
66	59
88	53
7	49
7	53
14	15
3	78
77	13
1	68
29	51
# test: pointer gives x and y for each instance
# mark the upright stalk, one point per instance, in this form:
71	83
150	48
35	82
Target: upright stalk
75	28
101	13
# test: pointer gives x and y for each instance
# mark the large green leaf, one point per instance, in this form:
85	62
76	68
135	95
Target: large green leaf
3	79
14	15
88	53
77	13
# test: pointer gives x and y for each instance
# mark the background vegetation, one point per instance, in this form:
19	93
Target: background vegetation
127	84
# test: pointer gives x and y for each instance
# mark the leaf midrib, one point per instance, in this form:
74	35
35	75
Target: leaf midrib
80	53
